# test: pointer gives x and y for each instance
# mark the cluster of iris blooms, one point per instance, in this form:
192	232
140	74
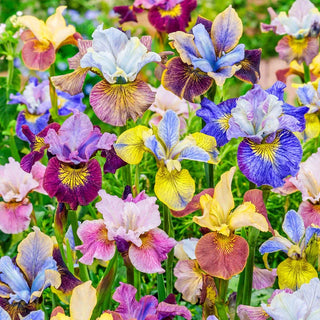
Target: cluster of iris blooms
63	136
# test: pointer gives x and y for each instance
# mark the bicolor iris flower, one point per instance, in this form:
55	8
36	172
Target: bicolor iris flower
295	270
307	181
309	95
284	304
37	145
72	176
269	151
210	52
23	281
166	100
174	186
36	98
15	185
118	60
43	39
189	275
302	29
133	229
221	253
165	16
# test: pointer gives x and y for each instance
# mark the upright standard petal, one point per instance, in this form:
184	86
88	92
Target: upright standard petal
168	129
226	30
293	226
83	301
33	253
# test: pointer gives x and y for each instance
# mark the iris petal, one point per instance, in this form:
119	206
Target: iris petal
174	188
293	226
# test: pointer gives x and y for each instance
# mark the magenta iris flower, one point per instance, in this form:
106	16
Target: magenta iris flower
269	151
165	16
71	175
131	225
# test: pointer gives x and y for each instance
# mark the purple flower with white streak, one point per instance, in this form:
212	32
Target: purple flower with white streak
36	98
133	229
269	151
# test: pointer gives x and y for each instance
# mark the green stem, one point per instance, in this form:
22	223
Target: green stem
222	288
209	171
53	96
104	289
10	70
161	287
168	228
13	146
253	235
136	179
72	216
306	71
130	269
137	283
126	175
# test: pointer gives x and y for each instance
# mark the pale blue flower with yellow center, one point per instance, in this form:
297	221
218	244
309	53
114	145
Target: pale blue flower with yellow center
174	186
309	95
295	270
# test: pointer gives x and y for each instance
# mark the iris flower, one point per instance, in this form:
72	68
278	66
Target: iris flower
307	181
84	299
210	52
302	28
285	304
166	100
309	95
36	98
71	175
165	16
133	229
43	39
221	253
118	60
15	185
189	275
269	151
173	185
23	281
295	270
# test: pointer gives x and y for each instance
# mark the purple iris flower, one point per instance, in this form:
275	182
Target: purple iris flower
36	98
269	151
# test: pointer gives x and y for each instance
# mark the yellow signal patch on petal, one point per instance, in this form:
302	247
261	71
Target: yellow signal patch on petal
293	274
73	177
208	144
130	144
175	189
